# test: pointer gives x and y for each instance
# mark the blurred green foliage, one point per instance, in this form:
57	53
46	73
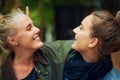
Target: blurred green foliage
48	7
35	13
34	9
5	5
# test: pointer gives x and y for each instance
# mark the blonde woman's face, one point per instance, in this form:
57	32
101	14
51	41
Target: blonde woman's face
27	36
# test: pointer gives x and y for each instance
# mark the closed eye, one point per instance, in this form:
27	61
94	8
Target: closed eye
81	26
29	26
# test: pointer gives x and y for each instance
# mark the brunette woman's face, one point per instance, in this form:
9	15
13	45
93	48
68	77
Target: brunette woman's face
84	43
27	35
82	34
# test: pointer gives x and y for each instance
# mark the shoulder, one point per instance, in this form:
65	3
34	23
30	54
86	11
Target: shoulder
58	46
58	43
112	75
58	50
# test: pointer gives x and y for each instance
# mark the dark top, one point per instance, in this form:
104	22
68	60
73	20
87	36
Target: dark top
32	75
77	69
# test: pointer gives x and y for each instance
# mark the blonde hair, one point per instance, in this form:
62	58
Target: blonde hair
7	29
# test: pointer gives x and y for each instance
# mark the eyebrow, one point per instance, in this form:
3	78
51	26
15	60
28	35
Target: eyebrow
31	22
28	25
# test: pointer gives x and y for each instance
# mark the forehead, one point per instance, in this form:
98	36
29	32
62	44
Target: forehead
20	20
87	21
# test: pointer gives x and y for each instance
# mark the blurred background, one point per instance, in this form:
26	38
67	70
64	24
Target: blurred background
57	18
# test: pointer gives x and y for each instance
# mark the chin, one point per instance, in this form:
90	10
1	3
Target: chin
39	45
73	46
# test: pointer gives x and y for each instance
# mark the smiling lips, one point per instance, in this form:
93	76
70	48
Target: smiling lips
36	38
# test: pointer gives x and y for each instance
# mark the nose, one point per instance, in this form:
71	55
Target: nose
75	29
37	30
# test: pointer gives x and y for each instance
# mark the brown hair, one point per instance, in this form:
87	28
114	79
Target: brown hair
107	29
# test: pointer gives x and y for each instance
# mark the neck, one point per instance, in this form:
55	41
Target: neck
23	62
90	56
23	57
22	66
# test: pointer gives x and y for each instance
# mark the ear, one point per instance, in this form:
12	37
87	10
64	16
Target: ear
12	41
93	42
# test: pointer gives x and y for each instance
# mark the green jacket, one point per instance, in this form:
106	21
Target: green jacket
55	54
49	64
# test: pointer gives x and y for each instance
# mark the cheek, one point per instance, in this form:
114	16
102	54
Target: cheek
81	43
24	38
84	37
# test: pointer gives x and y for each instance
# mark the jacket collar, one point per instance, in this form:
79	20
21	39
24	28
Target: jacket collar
39	57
